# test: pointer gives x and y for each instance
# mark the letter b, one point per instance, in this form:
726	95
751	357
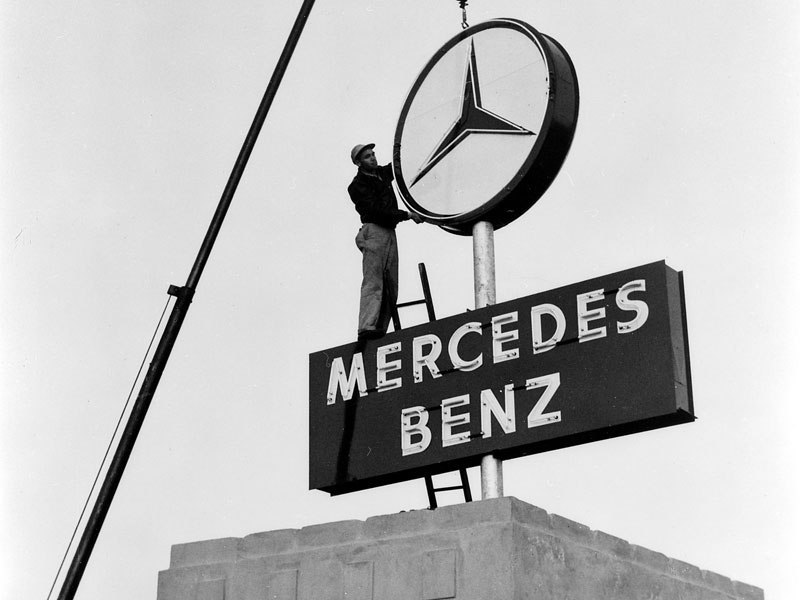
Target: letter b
414	424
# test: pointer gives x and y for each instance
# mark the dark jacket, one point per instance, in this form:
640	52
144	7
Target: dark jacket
374	198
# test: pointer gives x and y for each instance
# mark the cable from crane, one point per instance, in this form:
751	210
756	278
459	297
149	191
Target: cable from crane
463	5
108	449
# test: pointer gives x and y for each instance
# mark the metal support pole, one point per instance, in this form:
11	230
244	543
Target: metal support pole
170	334
483	253
485	295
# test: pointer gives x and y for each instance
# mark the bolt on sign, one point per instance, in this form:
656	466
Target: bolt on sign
589	361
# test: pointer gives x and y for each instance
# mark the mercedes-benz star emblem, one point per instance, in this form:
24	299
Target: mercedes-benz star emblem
486	126
473	119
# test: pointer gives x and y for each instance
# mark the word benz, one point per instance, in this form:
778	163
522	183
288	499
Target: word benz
416	435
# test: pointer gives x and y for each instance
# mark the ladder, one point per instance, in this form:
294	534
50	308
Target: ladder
427	300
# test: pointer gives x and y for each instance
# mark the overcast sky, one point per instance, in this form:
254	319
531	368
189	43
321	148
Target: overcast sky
119	125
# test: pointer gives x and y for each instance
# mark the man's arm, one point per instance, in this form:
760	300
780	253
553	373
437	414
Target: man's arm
371	211
386	172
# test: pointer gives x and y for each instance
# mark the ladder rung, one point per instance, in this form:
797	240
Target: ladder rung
447	489
410	303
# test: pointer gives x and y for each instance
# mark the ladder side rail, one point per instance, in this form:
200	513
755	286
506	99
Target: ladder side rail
465	485
426	291
428	301
432	504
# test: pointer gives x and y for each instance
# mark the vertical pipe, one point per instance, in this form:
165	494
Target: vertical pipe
483	254
485	295
169	336
491	477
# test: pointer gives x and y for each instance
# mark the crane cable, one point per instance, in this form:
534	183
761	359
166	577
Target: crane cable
108	449
463	5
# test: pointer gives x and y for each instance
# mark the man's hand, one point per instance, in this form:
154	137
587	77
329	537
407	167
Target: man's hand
415	217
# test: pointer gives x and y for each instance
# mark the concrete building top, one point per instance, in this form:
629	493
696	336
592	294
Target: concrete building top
538	549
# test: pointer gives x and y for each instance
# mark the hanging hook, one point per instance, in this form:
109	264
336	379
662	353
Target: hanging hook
463	5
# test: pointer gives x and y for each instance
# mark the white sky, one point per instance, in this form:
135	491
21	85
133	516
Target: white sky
119	125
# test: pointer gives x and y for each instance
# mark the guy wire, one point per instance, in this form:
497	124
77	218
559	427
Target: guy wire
108	449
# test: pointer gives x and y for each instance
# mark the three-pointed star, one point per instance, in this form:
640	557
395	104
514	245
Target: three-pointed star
473	119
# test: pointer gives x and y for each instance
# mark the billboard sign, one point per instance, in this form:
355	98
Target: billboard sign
589	361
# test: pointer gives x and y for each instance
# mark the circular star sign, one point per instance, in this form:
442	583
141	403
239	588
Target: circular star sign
486	126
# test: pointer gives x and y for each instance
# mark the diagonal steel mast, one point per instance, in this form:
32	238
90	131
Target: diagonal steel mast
183	297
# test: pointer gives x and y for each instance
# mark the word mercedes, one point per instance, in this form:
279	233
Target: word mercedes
427	349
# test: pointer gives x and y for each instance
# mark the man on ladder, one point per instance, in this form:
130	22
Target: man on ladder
371	192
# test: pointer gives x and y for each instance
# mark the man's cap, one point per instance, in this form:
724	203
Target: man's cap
358	149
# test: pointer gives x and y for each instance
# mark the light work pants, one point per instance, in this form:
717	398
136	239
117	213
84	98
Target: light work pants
379	266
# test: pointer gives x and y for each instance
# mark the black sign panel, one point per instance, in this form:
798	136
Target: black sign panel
589	361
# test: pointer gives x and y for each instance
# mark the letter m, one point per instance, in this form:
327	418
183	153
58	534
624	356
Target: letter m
344	382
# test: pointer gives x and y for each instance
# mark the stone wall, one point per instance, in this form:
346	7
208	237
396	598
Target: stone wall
501	549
